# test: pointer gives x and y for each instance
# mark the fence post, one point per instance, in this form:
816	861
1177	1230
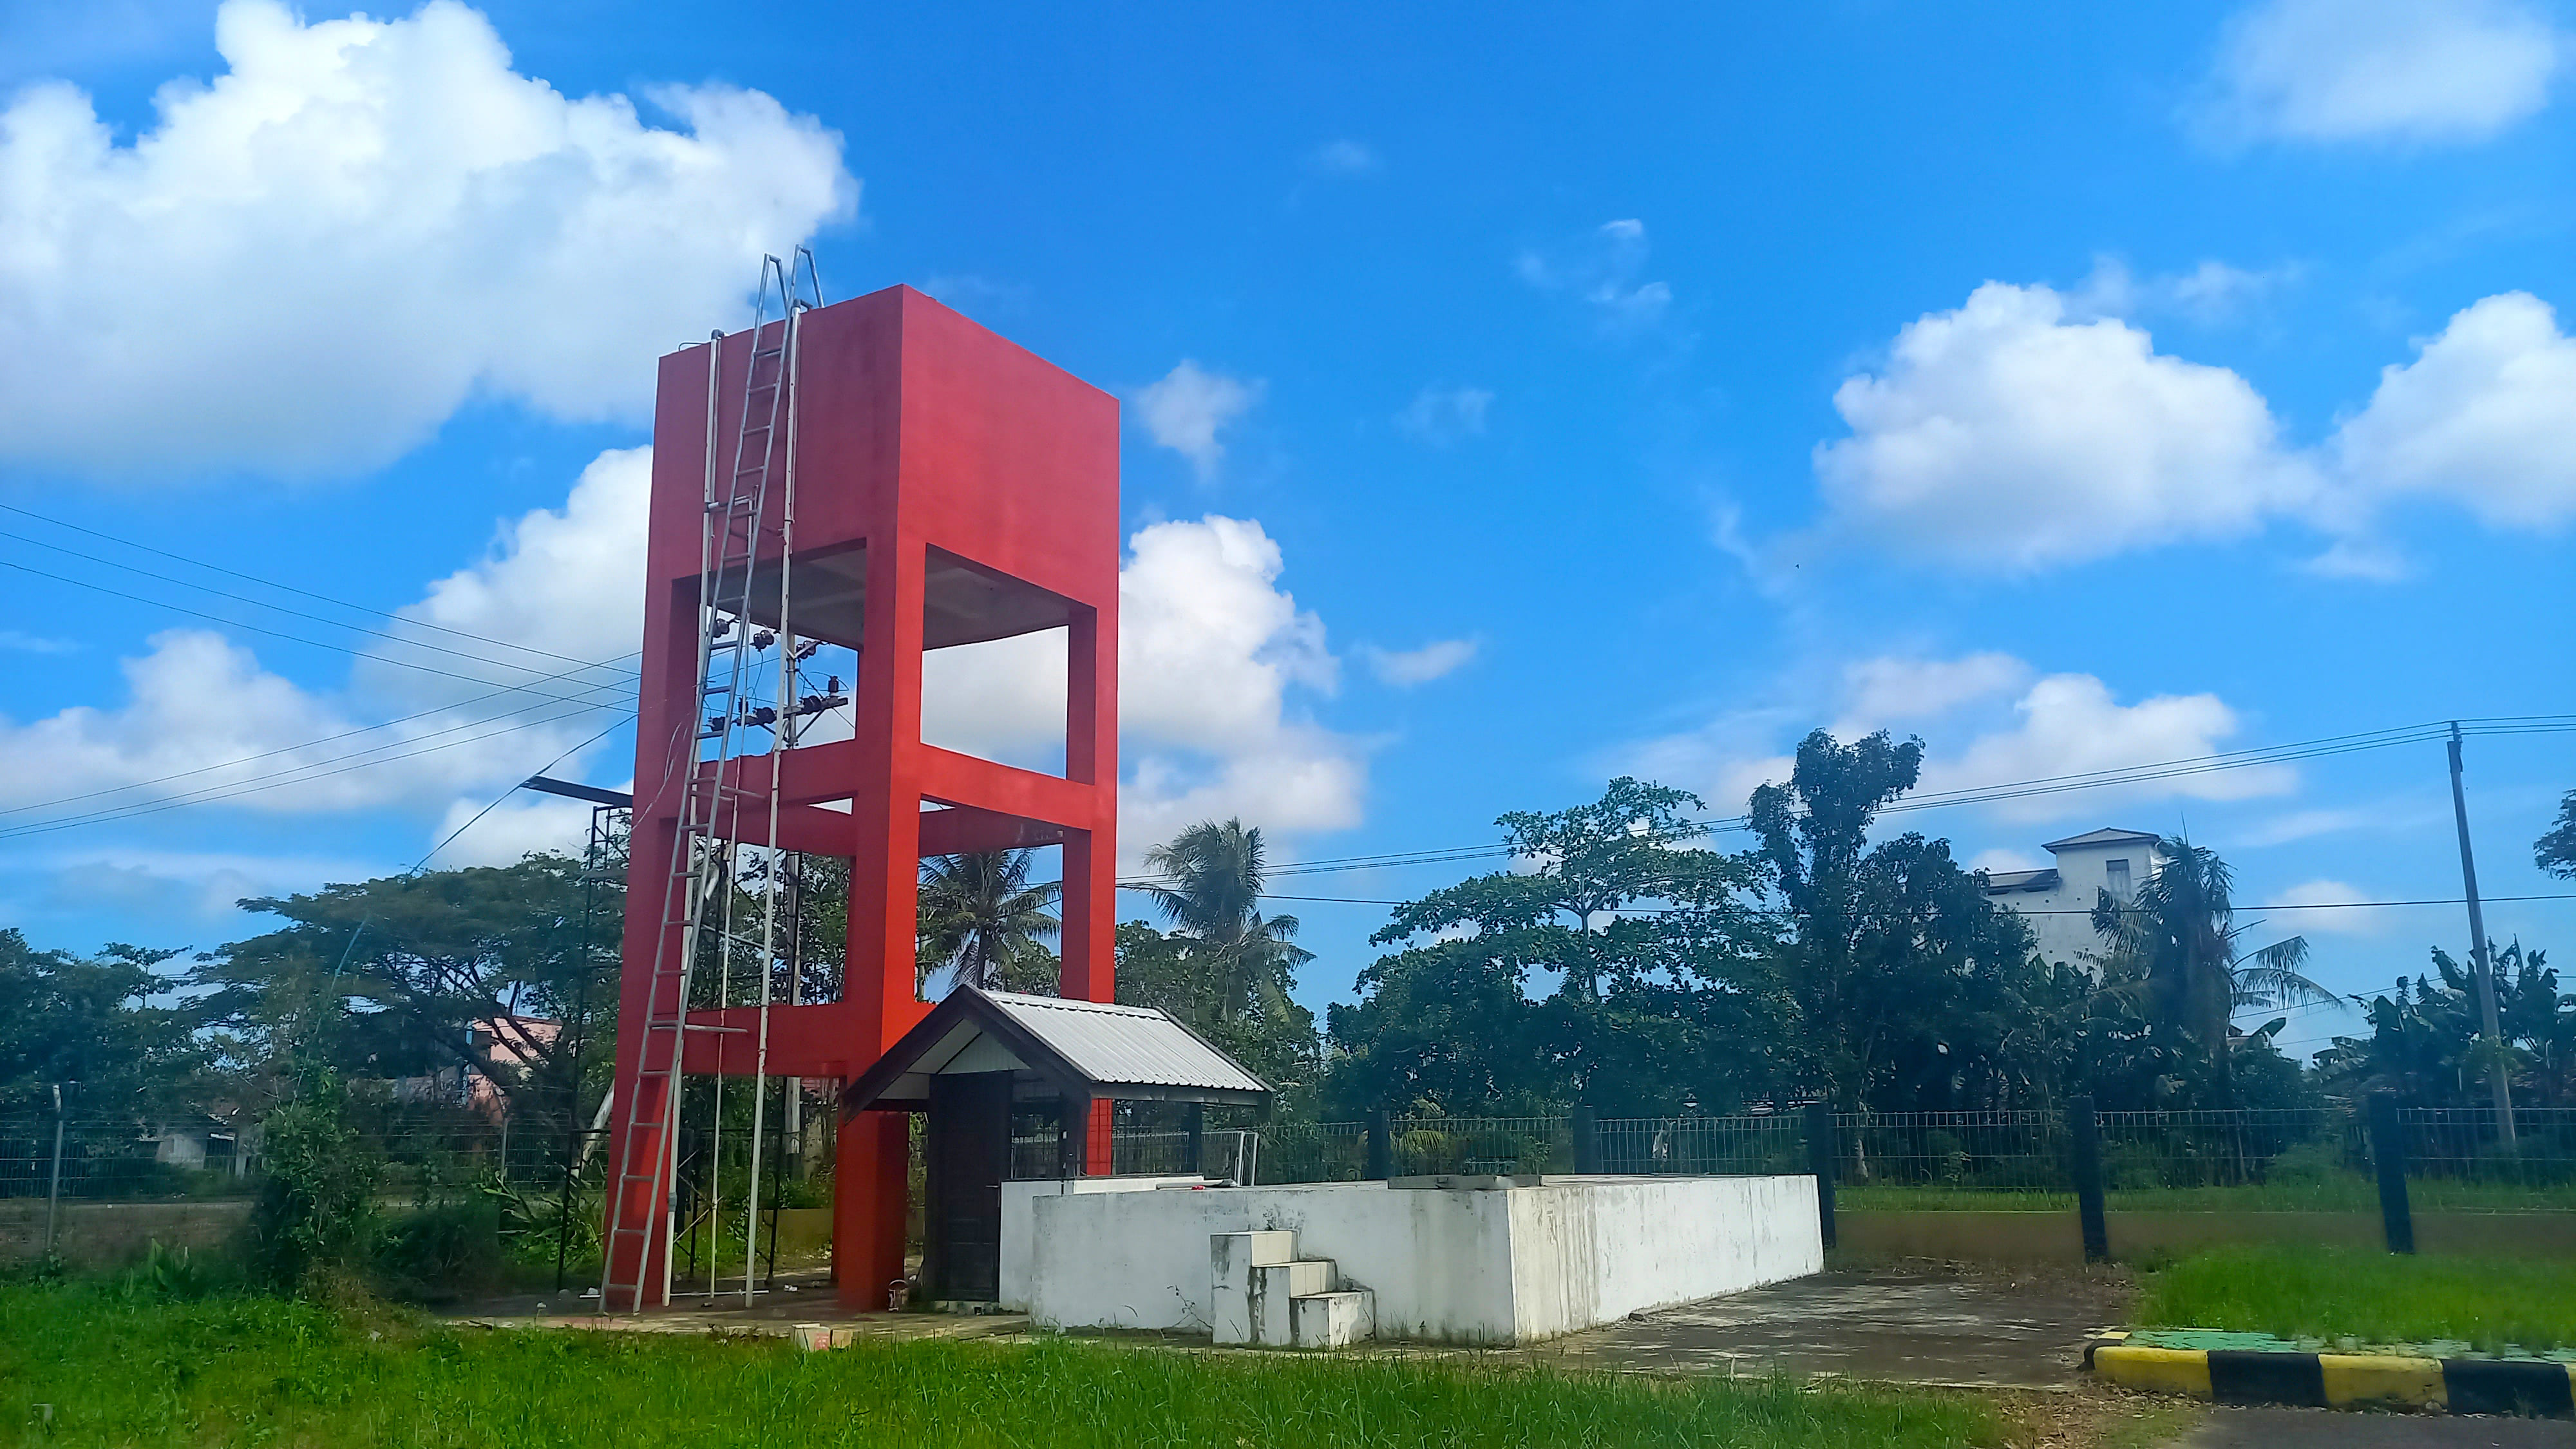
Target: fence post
1821	1152
1587	1139
54	1193
2084	1138
2388	1155
1381	1149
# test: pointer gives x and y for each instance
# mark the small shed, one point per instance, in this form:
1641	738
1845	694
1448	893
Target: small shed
980	1056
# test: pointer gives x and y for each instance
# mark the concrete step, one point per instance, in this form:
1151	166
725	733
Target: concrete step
1237	1264
1274	1289
1332	1320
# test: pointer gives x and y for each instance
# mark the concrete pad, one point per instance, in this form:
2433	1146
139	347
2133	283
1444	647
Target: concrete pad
1894	1327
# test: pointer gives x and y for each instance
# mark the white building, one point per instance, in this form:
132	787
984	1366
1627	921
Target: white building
2058	901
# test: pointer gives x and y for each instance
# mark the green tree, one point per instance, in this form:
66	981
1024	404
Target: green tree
2555	851
982	919
1610	966
1211	893
2173	952
1910	989
91	1022
2426	1045
419	963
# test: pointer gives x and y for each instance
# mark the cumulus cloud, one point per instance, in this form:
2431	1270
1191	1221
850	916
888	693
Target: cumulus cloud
1189	406
306	265
1441	416
2412	71
2016	728
2209	294
2485	416
2072	724
1405	668
203	718
2024	432
2007	435
1215	665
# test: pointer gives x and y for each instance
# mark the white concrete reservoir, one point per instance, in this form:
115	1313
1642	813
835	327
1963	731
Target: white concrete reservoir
1473	1261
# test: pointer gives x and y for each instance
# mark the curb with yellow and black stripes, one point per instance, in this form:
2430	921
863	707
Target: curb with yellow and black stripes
2170	1362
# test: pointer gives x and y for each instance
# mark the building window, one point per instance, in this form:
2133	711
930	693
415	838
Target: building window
2116	874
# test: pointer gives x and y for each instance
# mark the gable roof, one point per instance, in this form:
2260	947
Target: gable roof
1080	1048
2106	836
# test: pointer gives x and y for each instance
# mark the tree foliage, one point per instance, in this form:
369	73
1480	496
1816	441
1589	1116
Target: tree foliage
981	919
92	1023
2425	1042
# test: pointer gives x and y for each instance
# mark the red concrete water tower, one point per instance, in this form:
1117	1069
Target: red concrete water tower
948	488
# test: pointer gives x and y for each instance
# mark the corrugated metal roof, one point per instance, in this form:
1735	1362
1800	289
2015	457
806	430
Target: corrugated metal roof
1138	1044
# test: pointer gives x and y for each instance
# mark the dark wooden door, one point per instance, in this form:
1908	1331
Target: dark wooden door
969	1153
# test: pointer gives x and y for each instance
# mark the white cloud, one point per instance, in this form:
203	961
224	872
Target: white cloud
2209	294
2416	71
1408	667
1344	158
2485	416
305	266
202	715
1887	689
2071	724
1603	271
1213	660
2059	725
2001	861
2364	559
19	641
1441	416
1188	408
160	897
2322	916
518	825
2005	435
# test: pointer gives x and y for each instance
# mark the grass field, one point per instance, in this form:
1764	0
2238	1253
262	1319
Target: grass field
2377	1297
2338	1194
227	1370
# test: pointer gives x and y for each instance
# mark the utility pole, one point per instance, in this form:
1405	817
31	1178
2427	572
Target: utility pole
2480	967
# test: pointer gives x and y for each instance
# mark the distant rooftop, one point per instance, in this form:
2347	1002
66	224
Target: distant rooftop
2105	836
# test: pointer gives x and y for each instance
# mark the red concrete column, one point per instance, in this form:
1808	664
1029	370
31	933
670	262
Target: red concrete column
1090	926
1096	1157
872	1173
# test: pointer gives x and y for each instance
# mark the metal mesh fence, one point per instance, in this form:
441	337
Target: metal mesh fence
1752	1143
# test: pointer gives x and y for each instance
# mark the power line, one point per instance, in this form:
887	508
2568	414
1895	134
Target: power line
297	638
215	793
264	583
2014	790
291	749
1668	910
300	613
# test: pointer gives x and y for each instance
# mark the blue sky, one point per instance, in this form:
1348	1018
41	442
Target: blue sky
1513	399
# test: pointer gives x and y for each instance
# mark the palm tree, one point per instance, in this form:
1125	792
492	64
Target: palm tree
980	915
1214	875
2173	952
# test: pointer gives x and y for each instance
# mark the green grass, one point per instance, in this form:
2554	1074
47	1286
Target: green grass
2376	1297
2337	1194
244	1370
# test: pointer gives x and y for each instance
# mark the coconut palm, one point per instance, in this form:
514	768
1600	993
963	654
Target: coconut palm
1211	892
981	917
2173	952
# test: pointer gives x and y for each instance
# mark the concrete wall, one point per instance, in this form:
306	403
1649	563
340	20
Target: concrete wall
1501	1266
1018	1234
1590	1252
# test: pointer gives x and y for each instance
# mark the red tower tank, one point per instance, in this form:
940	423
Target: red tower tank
949	488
